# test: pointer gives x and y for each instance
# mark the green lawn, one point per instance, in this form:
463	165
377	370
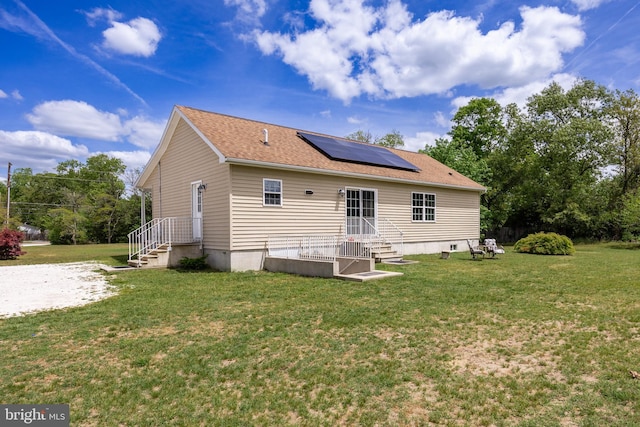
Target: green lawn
521	340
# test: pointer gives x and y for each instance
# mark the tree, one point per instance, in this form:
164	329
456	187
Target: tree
361	136
573	143
394	139
479	125
625	116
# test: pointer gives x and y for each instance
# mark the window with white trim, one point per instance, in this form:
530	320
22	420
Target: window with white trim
423	207
272	192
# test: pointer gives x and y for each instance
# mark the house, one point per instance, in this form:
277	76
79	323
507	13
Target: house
243	191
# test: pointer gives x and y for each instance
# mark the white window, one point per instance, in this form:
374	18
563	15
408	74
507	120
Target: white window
272	192
423	207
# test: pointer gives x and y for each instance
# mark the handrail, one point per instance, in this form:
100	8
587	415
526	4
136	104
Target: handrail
161	232
393	235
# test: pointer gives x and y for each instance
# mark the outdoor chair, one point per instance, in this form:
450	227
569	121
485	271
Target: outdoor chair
475	250
492	247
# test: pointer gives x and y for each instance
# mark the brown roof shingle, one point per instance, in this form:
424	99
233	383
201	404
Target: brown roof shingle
243	140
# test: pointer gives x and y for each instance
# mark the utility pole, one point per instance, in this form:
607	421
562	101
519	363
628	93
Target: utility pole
6	224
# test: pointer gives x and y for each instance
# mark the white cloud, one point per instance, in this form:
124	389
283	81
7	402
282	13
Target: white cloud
355	120
382	52
143	132
79	119
99	14
440	119
138	37
132	159
38	150
588	4
519	95
15	94
76	118
421	139
249	11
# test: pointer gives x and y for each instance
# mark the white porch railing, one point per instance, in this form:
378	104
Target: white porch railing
161	232
313	247
324	247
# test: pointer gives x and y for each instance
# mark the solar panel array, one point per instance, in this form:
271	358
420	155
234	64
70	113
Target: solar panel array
355	152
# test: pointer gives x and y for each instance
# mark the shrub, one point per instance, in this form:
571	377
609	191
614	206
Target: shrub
198	263
10	244
545	244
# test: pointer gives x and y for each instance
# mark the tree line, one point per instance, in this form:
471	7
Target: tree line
566	162
78	203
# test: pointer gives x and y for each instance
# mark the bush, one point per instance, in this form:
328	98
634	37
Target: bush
545	244
198	263
10	244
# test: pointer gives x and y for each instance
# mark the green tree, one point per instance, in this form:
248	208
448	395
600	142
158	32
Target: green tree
573	143
361	136
393	139
624	111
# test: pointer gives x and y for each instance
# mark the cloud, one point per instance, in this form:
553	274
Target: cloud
79	119
249	11
132	159
519	95
421	140
384	53
588	4
75	118
38	150
138	37
99	14
15	94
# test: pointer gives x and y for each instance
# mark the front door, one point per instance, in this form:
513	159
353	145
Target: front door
196	209
361	211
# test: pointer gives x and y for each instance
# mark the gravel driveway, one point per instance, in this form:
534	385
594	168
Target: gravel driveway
31	288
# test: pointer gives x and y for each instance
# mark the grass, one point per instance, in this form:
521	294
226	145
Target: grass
114	254
522	340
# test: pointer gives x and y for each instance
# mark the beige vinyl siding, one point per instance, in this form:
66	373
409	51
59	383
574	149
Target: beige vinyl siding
252	223
189	159
457	213
323	212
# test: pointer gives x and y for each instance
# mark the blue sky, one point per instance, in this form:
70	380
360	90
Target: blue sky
82	78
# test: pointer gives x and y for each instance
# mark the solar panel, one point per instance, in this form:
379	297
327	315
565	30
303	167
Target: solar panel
348	151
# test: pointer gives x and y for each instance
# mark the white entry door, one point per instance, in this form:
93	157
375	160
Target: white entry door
361	211
196	209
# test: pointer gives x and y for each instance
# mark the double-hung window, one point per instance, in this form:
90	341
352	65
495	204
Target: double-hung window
423	207
272	192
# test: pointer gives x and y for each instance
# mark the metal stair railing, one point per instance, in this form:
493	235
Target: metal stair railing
161	232
392	234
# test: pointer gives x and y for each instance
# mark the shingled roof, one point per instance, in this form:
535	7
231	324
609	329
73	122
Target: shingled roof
242	141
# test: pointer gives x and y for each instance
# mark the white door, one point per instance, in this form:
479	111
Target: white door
361	211
196	209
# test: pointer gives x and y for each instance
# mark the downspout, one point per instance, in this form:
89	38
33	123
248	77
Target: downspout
160	189
143	214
